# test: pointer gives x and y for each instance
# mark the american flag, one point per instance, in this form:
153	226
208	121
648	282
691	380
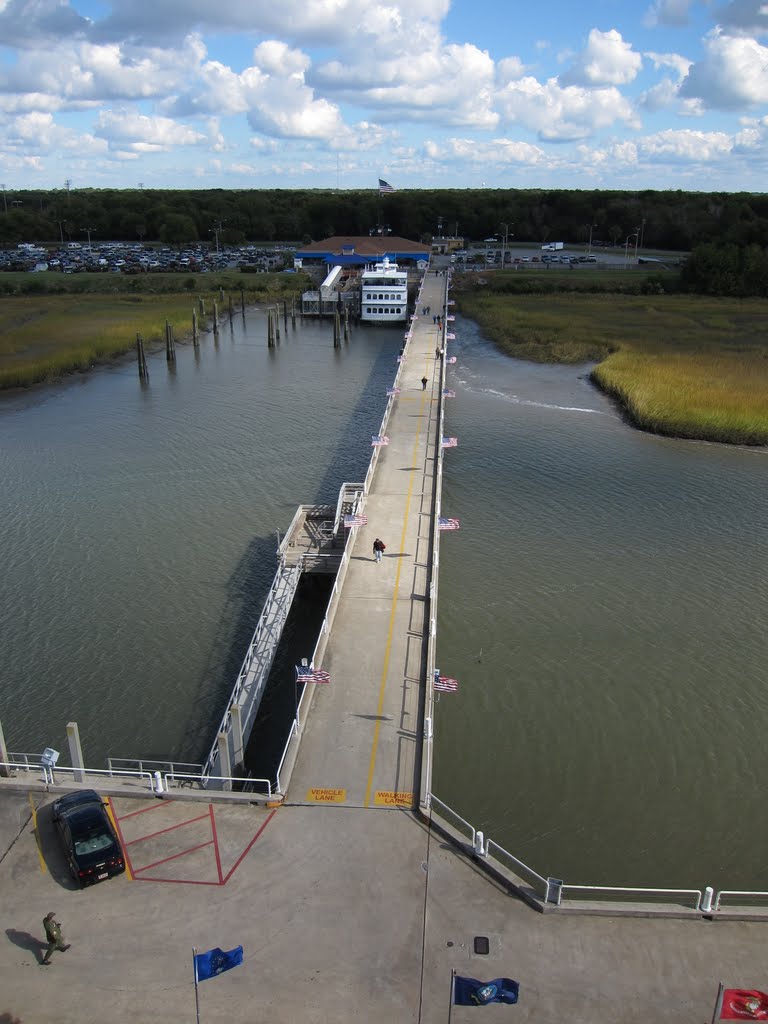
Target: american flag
377	440
451	302
450	442
309	674
385	187
401	359
445	684
352	519
451	337
393	391
447	524
448	393
450	317
451	359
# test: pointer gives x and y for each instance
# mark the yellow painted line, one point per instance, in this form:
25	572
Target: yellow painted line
390	631
327	796
126	859
388	798
37	834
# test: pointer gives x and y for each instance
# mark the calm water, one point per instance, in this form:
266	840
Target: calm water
603	605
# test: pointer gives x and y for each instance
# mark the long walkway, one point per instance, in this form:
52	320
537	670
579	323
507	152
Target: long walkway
362	741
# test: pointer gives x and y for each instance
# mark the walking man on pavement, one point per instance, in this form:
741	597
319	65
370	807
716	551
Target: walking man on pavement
378	547
424	383
54	937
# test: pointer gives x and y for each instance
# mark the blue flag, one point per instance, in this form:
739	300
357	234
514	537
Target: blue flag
469	992
216	961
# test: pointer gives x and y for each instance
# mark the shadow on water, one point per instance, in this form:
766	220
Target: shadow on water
249	585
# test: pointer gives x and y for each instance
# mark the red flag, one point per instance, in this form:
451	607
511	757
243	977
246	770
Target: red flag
744	1004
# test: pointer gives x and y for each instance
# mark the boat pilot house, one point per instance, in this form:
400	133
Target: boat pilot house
370	276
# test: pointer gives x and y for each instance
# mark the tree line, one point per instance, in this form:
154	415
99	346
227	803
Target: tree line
665	220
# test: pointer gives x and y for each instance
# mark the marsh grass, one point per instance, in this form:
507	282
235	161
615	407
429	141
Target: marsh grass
687	366
46	336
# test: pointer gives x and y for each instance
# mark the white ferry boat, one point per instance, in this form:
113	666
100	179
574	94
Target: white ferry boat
384	295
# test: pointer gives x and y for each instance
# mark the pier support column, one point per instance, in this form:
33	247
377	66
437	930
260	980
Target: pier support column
224	762
75	751
3	753
236	716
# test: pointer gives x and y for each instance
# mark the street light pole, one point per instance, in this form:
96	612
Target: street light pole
589	250
626	248
88	232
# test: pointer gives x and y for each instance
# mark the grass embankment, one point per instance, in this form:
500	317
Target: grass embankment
48	335
682	365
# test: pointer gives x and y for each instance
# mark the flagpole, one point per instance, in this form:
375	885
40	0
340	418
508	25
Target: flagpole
453	986
718	1003
194	971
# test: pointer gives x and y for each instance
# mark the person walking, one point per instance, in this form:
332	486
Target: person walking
54	937
378	547
424	383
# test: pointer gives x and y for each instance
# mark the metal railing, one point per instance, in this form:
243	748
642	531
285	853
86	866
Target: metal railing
743	893
115	764
258	658
49	774
631	890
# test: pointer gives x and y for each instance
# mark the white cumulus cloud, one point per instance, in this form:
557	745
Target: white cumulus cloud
606	60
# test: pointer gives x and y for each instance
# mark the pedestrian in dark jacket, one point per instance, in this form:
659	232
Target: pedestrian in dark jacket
54	937
424	383
378	547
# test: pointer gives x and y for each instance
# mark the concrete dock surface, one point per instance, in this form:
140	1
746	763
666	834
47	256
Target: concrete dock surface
344	915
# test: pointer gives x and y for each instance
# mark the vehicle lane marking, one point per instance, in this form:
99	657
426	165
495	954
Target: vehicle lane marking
175	856
43	868
327	796
247	850
390	631
113	818
215	843
170	828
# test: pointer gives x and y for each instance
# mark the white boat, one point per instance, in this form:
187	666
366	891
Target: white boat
384	293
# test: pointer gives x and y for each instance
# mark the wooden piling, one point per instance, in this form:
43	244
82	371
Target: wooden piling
221	295
231	311
195	339
285	314
141	358
215	318
202	306
276	320
242	299
270	336
293	311
346	323
336	330
170	347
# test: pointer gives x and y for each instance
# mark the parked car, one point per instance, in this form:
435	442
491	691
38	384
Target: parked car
90	843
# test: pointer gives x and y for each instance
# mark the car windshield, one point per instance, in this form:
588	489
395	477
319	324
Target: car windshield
93	843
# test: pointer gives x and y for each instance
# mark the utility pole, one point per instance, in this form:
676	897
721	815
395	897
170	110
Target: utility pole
88	232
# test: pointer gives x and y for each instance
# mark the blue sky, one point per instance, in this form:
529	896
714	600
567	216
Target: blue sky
629	94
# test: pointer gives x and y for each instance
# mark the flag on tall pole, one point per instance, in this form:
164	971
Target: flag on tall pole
469	992
740	1004
385	187
209	965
